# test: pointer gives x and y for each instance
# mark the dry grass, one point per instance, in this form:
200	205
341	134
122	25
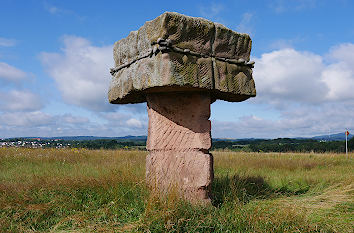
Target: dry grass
104	191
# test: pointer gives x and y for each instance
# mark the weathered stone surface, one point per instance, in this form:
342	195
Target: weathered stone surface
230	44
180	65
189	173
178	71
233	82
184	32
178	142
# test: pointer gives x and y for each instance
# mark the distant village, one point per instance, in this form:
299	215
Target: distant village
73	143
34	143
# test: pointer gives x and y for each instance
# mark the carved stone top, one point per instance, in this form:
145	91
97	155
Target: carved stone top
178	53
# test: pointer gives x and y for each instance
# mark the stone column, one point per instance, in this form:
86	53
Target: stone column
178	143
178	64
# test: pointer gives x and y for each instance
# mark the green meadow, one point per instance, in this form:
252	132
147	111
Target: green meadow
78	190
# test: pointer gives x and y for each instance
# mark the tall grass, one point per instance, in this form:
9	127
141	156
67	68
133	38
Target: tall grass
104	190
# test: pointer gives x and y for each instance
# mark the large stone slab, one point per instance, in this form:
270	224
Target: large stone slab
178	142
199	64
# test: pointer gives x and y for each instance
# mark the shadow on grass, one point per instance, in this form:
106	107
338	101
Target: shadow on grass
245	189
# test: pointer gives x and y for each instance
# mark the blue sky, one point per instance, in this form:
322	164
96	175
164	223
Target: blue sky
55	58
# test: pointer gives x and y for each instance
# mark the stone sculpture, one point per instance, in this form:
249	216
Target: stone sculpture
179	65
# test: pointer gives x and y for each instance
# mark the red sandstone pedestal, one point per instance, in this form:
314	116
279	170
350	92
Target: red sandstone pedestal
178	64
178	143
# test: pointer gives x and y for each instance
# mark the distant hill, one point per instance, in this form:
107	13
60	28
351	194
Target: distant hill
86	138
332	137
236	140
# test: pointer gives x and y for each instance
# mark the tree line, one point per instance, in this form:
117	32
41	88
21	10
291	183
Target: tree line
284	145
248	145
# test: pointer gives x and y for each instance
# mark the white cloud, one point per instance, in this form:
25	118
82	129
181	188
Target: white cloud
70	119
281	44
81	72
212	10
16	100
37	123
127	121
295	121
313	95
339	76
281	6
340	80
343	53
285	43
115	118
132	122
5	42
133	108
10	73
288	75
53	9
25	119
245	26
123	123
60	11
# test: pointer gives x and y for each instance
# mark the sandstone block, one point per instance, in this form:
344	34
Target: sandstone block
192	49
187	172
230	44
178	121
178	142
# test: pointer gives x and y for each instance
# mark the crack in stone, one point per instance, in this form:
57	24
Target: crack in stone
165	46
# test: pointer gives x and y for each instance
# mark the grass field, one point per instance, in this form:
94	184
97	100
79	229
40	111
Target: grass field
104	191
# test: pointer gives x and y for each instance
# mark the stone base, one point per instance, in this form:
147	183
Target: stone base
188	172
179	141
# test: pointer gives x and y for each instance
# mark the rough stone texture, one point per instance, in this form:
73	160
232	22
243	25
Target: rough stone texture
178	142
205	63
174	71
